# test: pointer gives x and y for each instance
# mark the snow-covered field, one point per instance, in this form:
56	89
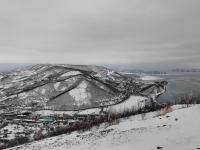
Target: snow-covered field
134	102
150	78
176	130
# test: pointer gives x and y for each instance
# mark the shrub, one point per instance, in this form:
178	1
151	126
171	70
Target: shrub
166	110
187	99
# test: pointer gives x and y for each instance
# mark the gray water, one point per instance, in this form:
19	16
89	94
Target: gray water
180	84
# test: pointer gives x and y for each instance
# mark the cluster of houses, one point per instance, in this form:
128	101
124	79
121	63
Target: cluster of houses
15	123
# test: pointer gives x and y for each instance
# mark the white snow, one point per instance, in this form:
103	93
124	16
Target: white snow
23	95
110	72
150	78
130	73
141	132
63	88
80	94
12	130
90	111
98	75
134	102
70	73
1	76
56	85
102	87
105	74
51	112
43	91
7	85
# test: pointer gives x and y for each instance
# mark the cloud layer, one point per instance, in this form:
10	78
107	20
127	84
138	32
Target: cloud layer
164	32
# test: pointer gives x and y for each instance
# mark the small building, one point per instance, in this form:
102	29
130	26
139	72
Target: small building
48	119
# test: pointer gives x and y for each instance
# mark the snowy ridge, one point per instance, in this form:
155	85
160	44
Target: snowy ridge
71	73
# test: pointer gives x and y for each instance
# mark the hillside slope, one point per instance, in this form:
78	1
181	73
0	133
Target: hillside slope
172	131
71	87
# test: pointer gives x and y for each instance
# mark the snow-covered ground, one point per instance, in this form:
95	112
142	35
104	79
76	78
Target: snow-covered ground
176	130
71	73
80	94
144	76
150	78
132	103
52	112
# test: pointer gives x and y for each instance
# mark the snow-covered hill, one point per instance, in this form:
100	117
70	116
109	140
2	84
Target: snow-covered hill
70	87
62	86
44	100
176	130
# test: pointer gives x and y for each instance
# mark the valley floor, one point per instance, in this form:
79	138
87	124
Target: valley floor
176	130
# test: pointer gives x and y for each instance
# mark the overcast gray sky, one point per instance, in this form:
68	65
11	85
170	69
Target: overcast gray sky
139	32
